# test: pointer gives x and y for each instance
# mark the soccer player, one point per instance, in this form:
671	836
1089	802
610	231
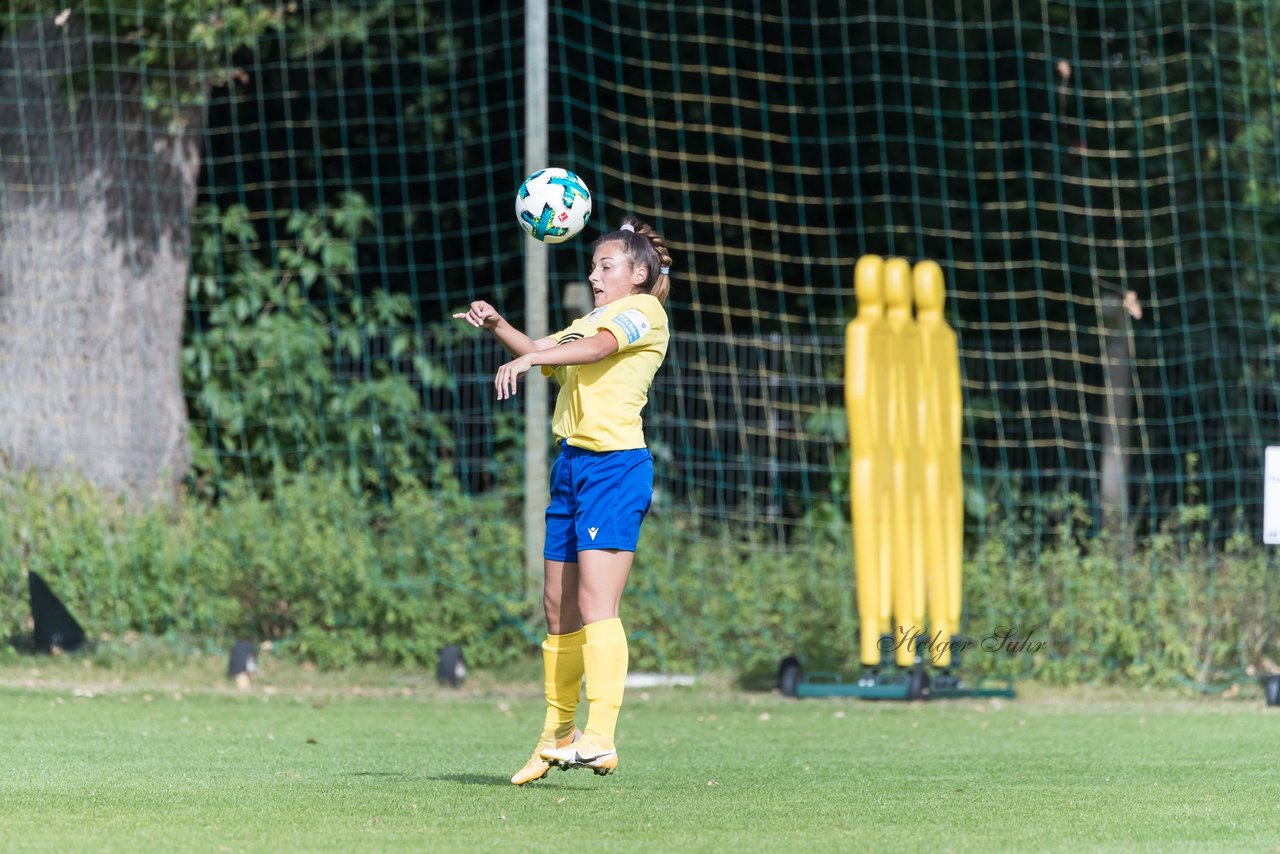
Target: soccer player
601	484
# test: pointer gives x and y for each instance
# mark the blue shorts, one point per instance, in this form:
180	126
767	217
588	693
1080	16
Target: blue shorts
598	500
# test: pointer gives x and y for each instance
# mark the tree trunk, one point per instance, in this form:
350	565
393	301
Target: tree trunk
96	196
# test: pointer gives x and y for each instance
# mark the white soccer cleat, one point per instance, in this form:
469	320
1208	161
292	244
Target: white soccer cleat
537	767
580	755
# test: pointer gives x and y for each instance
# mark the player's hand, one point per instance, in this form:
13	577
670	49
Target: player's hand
507	380
481	315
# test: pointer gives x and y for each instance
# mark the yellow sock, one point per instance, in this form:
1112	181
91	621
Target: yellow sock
562	682
604	658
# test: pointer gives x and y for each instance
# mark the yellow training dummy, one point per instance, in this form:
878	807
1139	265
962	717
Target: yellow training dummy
866	394
943	488
906	418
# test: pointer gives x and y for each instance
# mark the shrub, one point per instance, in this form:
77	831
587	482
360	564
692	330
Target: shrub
337	577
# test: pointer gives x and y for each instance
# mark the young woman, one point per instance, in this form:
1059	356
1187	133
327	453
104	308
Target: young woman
601	484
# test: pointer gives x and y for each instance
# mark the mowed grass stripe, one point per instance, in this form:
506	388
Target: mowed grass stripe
700	770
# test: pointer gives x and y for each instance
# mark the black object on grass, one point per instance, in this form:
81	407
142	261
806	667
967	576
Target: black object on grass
55	629
451	669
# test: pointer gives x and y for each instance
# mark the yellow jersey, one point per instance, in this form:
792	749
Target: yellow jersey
599	405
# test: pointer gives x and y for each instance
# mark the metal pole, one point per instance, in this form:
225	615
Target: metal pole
1117	361
536	421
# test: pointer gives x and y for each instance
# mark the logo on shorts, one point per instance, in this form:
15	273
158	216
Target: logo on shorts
592	532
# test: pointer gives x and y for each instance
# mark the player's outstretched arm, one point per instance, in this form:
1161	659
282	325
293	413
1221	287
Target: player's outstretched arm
585	351
484	316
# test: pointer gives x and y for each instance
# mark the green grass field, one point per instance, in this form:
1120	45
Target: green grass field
172	759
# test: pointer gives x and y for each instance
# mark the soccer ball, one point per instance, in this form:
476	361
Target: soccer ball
553	205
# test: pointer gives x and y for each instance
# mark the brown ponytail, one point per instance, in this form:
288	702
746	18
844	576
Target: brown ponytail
646	248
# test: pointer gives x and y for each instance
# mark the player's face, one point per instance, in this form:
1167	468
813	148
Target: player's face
613	276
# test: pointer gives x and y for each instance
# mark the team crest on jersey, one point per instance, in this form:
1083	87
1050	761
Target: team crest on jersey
633	323
596	312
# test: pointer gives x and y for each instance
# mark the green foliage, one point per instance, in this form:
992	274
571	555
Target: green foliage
328	575
1160	609
270	327
703	598
339	578
180	47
